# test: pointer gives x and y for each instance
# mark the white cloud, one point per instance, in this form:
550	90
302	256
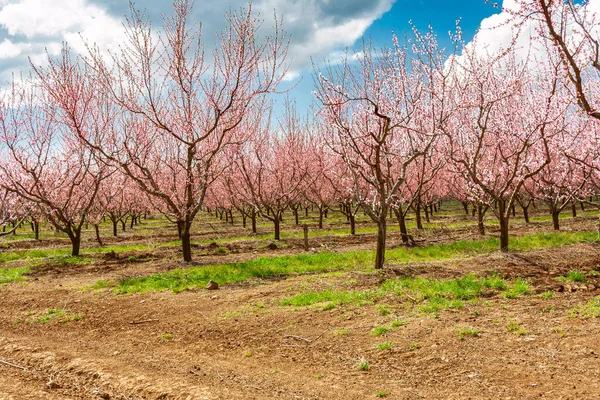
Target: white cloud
317	28
8	49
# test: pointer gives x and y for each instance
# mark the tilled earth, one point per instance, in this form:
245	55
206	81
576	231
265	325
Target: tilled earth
239	343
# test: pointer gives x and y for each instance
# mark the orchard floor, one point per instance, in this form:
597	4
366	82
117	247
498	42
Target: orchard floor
238	342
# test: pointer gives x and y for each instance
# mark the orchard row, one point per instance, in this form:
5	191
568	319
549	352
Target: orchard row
157	125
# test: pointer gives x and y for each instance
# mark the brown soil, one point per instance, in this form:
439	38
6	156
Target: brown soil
238	343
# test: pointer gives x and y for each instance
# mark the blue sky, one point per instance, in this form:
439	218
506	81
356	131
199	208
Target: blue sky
441	15
319	29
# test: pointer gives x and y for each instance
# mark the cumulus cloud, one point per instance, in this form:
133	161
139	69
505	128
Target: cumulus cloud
500	31
317	28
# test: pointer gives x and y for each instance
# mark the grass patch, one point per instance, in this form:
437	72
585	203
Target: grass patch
519	287
380	330
363	365
464	331
585	311
384	346
332	297
59	314
12	274
264	267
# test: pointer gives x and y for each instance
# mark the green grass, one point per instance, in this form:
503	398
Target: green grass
380	330
464	331
384	346
586	311
576	276
13	274
264	267
363	365
335	297
61	315
432	295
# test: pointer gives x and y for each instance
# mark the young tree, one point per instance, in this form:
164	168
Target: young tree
382	111
180	110
498	138
44	162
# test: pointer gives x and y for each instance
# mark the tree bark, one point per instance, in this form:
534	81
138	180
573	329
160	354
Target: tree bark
186	244
276	224
97	229
381	237
526	214
480	215
418	215
504	219
253	219
555	220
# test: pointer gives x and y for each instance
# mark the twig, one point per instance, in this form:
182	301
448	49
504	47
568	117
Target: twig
219	375
321	335
298	338
143	321
12	365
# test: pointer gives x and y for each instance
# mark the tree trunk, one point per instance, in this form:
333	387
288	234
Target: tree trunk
381	236
320	218
465	206
186	244
253	218
75	237
555	220
504	218
114	223
402	224
276	223
418	215
574	209
526	213
352	224
296	217
132	222
36	232
123	221
306	212
427	214
97	229
244	216
480	214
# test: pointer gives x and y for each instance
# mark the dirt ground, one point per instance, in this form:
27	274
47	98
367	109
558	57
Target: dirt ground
238	342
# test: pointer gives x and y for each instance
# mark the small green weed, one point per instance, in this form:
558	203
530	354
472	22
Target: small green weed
380	330
384	346
585	311
464	331
363	365
381	394
414	346
166	336
383	310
